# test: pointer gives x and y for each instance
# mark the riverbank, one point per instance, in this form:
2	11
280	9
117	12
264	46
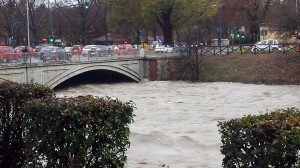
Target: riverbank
276	68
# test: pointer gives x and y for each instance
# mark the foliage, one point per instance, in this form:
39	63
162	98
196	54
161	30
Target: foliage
266	140
12	98
39	130
77	132
169	14
285	15
250	14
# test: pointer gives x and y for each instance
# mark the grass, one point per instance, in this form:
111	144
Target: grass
276	68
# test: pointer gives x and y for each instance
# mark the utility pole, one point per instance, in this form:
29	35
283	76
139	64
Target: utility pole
219	29
27	12
297	8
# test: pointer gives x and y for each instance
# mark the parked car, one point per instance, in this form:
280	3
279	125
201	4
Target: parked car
124	49
224	42
86	49
152	45
99	50
8	54
40	46
24	49
180	47
76	49
269	45
53	53
163	48
68	49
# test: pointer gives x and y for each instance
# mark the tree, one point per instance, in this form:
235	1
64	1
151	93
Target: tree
284	16
81	17
249	13
168	14
8	16
126	14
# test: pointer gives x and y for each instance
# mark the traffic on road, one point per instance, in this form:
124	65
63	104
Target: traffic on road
44	53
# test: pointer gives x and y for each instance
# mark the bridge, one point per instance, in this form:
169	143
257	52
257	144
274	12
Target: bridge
53	74
136	66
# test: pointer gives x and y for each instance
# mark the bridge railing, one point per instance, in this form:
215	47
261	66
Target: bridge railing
241	49
11	59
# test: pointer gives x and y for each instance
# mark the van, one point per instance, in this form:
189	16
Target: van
224	42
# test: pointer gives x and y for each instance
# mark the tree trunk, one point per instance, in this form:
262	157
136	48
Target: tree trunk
255	33
164	21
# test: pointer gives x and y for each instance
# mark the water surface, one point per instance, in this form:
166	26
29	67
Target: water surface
176	122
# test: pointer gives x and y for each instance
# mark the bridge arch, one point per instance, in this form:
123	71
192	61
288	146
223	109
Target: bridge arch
52	83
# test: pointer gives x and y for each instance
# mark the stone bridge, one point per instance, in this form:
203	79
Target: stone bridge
53	74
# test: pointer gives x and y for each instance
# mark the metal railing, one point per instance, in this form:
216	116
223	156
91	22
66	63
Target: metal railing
245	48
39	58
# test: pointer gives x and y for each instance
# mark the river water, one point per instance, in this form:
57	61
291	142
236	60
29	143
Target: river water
176	122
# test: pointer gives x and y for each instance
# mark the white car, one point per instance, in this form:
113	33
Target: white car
86	49
163	48
269	45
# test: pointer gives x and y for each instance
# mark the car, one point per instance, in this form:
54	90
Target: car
86	49
8	54
40	46
223	42
23	49
68	49
99	50
76	49
180	47
152	45
163	48
53	53
124	49
269	45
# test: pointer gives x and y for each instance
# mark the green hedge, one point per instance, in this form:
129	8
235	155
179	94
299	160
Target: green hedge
12	98
266	140
40	130
78	132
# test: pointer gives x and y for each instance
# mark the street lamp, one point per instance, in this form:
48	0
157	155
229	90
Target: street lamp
27	12
219	23
296	8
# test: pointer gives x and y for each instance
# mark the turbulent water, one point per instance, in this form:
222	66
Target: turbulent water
176	122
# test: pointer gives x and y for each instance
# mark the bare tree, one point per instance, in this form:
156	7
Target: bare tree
249	13
78	20
284	16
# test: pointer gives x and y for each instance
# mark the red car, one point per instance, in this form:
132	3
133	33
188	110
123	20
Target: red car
24	49
76	49
8	53
124	49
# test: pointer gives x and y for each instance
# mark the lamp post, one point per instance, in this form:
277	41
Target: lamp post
27	12
296	8
219	23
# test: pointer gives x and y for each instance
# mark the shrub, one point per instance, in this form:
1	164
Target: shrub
12	98
266	140
77	132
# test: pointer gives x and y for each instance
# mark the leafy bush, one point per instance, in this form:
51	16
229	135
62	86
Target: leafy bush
267	140
12	98
77	132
